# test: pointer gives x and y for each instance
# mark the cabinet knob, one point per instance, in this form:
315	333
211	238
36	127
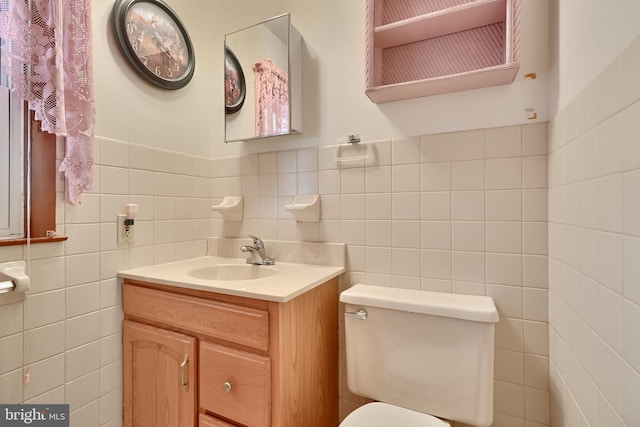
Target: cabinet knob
227	387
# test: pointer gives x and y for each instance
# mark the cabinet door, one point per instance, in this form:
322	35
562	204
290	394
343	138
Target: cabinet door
159	377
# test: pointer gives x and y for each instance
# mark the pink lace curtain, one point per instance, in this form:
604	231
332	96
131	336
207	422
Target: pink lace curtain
272	98
47	53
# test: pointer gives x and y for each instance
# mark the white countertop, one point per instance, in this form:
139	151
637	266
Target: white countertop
289	280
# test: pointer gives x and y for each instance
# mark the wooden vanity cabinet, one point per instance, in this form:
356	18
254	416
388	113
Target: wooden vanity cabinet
250	362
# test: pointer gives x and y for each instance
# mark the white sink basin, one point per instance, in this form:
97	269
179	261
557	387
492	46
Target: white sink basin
232	272
300	267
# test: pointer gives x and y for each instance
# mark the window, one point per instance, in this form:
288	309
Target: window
14	123
11	162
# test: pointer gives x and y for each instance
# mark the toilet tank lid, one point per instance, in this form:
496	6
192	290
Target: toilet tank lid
467	307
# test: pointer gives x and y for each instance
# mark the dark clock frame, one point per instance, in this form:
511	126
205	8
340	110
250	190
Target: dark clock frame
120	13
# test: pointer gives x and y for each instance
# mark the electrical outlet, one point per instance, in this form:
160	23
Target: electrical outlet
125	229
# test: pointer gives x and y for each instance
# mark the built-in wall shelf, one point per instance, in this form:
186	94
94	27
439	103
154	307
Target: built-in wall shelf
418	48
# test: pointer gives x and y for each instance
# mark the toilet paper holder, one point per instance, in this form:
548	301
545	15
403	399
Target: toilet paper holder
14	283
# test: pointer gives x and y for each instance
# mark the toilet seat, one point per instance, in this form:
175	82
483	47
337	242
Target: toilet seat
378	414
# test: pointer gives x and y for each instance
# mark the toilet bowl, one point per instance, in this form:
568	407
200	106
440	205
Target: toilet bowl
419	355
378	414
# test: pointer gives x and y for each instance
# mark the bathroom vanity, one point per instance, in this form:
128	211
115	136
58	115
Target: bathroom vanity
236	350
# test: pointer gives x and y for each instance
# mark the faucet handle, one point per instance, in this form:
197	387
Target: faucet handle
257	243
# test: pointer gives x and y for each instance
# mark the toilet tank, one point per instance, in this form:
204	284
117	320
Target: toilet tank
427	351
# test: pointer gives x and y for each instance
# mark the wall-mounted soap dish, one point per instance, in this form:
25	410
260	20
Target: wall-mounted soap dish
305	208
230	208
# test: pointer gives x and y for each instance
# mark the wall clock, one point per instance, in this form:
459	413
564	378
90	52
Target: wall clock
155	42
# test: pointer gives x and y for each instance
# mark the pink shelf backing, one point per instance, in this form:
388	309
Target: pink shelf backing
442	22
469	51
453	54
398	10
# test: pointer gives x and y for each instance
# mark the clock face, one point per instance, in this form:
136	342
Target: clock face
234	83
154	41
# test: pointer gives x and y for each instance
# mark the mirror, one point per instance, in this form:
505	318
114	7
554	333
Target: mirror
263	85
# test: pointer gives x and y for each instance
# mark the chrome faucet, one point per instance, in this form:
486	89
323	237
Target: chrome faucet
257	253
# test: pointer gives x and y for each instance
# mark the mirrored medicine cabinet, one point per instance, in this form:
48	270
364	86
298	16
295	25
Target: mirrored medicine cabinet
263	80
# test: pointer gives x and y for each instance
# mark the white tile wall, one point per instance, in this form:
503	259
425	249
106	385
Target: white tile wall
460	212
594	280
68	333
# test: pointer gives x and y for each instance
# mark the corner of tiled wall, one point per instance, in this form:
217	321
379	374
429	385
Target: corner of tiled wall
594	249
68	332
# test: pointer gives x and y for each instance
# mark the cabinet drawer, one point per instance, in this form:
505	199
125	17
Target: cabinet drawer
207	421
243	325
235	384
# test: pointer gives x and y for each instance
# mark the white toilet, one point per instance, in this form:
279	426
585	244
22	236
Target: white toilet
420	355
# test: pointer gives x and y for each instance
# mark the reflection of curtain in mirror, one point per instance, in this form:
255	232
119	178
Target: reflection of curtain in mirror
272	98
